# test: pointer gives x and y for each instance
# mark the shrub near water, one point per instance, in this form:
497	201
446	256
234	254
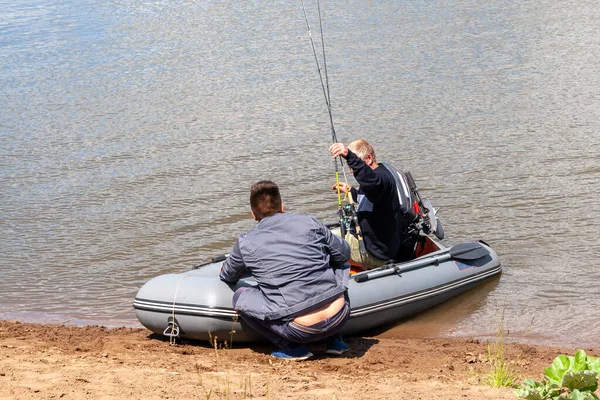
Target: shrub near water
568	378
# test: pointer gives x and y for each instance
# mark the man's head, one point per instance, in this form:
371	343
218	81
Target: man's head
265	200
364	151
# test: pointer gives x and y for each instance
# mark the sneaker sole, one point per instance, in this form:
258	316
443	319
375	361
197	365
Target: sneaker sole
336	352
301	358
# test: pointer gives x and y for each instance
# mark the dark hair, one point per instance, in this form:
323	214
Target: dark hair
265	199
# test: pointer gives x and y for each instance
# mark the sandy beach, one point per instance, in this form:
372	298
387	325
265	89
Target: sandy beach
68	362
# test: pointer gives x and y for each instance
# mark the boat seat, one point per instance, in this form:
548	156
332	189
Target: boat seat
423	247
355	267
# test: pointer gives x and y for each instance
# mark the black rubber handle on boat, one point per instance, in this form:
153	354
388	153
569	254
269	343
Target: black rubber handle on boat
361	278
461	251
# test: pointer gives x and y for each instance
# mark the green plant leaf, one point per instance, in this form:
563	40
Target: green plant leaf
577	395
568	378
533	395
530	390
593	364
531	383
579	362
534	390
559	367
582	380
530	394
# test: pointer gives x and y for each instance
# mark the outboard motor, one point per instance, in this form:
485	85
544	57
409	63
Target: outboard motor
421	211
431	223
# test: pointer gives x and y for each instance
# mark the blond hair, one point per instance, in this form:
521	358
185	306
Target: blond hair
362	148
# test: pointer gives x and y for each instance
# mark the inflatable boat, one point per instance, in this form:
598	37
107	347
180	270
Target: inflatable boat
196	304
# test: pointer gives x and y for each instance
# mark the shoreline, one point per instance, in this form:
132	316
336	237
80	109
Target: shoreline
73	362
434	321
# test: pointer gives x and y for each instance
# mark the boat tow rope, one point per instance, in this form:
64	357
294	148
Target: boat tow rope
172	330
343	215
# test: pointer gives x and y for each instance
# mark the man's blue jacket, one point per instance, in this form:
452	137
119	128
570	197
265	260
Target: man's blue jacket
298	263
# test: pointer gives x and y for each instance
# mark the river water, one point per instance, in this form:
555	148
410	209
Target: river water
130	132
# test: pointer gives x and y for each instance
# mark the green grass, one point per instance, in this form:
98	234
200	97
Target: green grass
501	373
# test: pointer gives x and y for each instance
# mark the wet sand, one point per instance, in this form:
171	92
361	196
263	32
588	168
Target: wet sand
66	362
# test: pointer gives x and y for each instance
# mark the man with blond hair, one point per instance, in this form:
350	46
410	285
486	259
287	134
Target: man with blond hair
382	223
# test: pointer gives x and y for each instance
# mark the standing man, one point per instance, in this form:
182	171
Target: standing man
302	276
383	226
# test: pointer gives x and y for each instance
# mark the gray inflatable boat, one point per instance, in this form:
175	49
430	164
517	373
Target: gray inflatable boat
197	305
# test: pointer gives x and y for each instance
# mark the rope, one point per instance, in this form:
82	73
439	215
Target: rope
172	339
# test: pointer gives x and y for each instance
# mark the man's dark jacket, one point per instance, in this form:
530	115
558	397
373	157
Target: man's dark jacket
382	224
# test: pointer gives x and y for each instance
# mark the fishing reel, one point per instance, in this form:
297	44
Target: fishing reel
347	219
349	223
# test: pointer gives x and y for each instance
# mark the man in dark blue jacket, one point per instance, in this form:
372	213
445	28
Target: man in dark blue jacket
382	223
302	276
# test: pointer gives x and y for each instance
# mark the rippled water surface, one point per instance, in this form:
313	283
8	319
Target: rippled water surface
130	132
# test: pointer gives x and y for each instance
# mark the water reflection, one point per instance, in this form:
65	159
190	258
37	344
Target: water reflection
131	132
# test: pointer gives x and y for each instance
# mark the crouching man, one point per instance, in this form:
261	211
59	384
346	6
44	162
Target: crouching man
302	276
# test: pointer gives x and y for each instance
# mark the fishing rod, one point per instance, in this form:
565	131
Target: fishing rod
342	212
324	84
326	94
